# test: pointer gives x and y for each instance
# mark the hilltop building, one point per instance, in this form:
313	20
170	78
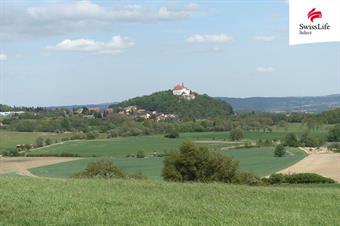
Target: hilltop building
184	92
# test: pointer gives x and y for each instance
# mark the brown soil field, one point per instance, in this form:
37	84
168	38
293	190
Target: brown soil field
325	164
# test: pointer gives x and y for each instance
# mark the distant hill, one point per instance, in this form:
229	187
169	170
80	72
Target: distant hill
202	106
284	104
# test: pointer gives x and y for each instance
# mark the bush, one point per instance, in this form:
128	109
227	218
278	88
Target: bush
279	151
309	141
63	154
39	142
291	140
194	163
92	135
48	141
102	169
299	178
334	147
236	134
11	153
140	154
334	134
247	178
172	135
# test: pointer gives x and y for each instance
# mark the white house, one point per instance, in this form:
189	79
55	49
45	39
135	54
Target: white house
181	90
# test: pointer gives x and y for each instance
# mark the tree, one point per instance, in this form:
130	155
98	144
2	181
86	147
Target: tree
236	134
172	134
308	140
48	141
102	169
39	142
334	134
140	154
279	151
193	163
291	140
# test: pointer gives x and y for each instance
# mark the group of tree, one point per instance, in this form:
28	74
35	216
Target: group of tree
305	140
194	163
201	107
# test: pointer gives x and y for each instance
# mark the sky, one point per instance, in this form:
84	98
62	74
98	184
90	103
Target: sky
80	52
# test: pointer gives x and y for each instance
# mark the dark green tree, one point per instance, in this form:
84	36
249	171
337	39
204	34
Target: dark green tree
236	134
279	151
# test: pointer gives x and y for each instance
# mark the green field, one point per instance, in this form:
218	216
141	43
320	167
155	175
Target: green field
259	161
150	167
30	201
120	147
9	139
262	162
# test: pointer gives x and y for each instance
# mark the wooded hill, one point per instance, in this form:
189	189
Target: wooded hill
202	106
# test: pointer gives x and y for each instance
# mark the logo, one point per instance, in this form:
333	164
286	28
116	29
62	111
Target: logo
314	15
307	29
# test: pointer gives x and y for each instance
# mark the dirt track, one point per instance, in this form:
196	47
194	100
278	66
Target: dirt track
325	164
20	165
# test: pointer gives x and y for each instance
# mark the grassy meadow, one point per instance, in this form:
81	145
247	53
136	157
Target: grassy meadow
31	201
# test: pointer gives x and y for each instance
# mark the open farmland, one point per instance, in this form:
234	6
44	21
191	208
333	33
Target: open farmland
9	139
120	147
132	202
259	161
325	164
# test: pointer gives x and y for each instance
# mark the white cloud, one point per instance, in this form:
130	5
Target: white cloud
64	18
3	56
115	46
264	69
264	38
212	38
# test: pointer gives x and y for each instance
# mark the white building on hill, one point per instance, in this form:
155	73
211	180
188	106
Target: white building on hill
181	90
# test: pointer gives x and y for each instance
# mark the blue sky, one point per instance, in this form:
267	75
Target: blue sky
78	52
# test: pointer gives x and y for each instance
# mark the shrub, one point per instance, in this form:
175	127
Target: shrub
48	141
113	133
172	135
64	154
76	136
194	163
11	153
279	151
334	147
236	134
309	141
102	169
140	154
39	142
247	178
334	134
299	178
92	135
291	140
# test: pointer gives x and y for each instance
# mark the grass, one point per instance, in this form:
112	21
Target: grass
150	167
120	147
30	201
9	139
259	161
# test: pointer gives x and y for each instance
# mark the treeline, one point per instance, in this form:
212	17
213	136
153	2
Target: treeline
60	120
